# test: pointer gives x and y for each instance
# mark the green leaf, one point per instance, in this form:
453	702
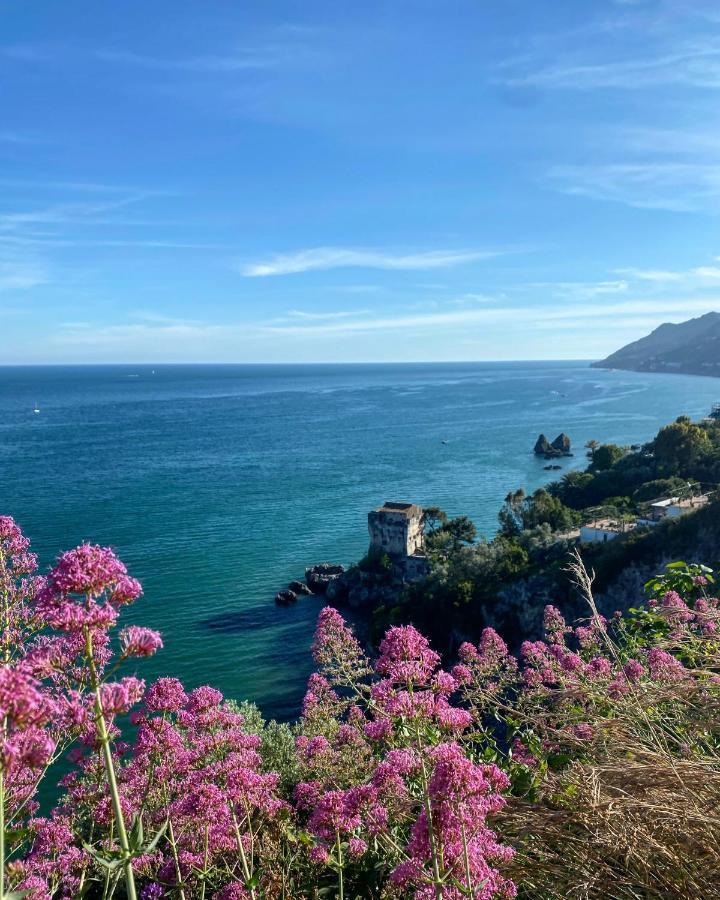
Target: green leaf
110	860
137	834
156	839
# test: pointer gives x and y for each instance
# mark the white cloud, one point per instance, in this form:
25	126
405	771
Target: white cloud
677	187
657	276
20	277
527	316
694	64
320	258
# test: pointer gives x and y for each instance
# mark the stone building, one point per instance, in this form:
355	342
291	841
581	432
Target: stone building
398	530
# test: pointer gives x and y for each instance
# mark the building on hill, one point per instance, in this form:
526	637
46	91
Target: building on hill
672	508
603	530
398	529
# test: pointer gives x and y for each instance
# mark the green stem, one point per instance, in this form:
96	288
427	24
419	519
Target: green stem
341	885
437	879
176	859
104	739
466	858
243	858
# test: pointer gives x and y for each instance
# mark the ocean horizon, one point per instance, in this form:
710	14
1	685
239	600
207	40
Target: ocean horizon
219	483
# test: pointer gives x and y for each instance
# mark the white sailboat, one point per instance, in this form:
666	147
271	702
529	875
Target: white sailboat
37	408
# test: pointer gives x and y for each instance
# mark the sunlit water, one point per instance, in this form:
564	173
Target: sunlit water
218	484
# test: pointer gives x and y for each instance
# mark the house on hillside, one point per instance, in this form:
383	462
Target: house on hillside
672	508
600	531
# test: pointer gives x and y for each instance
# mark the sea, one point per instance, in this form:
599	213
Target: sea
217	484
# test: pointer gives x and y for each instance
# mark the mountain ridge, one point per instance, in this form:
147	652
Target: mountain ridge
691	348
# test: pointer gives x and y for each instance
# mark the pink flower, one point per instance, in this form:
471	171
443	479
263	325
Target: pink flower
664	667
137	641
88	569
165	695
444	683
405	656
204	698
633	670
117	697
378	729
492	647
554	625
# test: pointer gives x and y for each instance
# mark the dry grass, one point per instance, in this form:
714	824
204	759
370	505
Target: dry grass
640	826
639	818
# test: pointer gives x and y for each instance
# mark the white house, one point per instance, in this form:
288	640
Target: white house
671	508
599	531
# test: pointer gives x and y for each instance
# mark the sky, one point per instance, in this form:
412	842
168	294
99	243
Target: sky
328	180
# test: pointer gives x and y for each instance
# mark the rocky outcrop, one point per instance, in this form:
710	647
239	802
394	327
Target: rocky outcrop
285	597
559	447
299	587
562	444
319	577
542	446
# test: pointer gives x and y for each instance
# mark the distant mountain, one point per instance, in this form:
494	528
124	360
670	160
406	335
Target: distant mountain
692	347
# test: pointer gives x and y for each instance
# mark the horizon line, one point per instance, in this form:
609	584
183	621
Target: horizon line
391	362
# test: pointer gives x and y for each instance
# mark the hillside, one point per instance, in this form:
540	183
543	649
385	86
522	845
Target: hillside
691	347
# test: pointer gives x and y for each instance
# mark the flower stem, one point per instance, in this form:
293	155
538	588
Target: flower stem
110	770
341	886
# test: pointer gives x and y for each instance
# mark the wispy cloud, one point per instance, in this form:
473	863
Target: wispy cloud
529	316
677	187
20	276
343	257
247	58
315	316
698	277
693	64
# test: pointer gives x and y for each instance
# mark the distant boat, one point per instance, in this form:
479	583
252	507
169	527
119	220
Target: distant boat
37	408
444	442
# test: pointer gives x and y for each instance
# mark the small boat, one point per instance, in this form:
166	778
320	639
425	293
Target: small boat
37	408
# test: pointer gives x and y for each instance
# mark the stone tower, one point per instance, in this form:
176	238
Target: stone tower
397	529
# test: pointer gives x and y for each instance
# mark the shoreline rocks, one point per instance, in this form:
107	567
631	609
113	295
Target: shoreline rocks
319	577
285	597
324	578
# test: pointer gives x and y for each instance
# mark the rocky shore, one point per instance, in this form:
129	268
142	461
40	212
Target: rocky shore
356	587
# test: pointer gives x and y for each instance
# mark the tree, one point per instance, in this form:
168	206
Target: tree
591	447
510	516
605	456
434	518
462	530
678	447
543	508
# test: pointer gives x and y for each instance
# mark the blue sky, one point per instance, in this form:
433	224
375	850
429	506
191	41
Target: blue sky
331	180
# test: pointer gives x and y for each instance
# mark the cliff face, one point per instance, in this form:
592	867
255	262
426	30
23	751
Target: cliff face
692	347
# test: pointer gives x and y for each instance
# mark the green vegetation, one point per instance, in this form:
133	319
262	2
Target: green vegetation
505	581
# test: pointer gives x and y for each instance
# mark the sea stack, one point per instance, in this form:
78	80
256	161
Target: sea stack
542	446
562	444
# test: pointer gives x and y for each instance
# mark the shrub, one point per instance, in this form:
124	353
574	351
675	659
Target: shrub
587	767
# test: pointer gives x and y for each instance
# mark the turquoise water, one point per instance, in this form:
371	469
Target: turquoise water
218	484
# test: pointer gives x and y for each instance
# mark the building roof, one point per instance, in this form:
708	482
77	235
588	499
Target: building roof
609	525
407	509
692	502
663	504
